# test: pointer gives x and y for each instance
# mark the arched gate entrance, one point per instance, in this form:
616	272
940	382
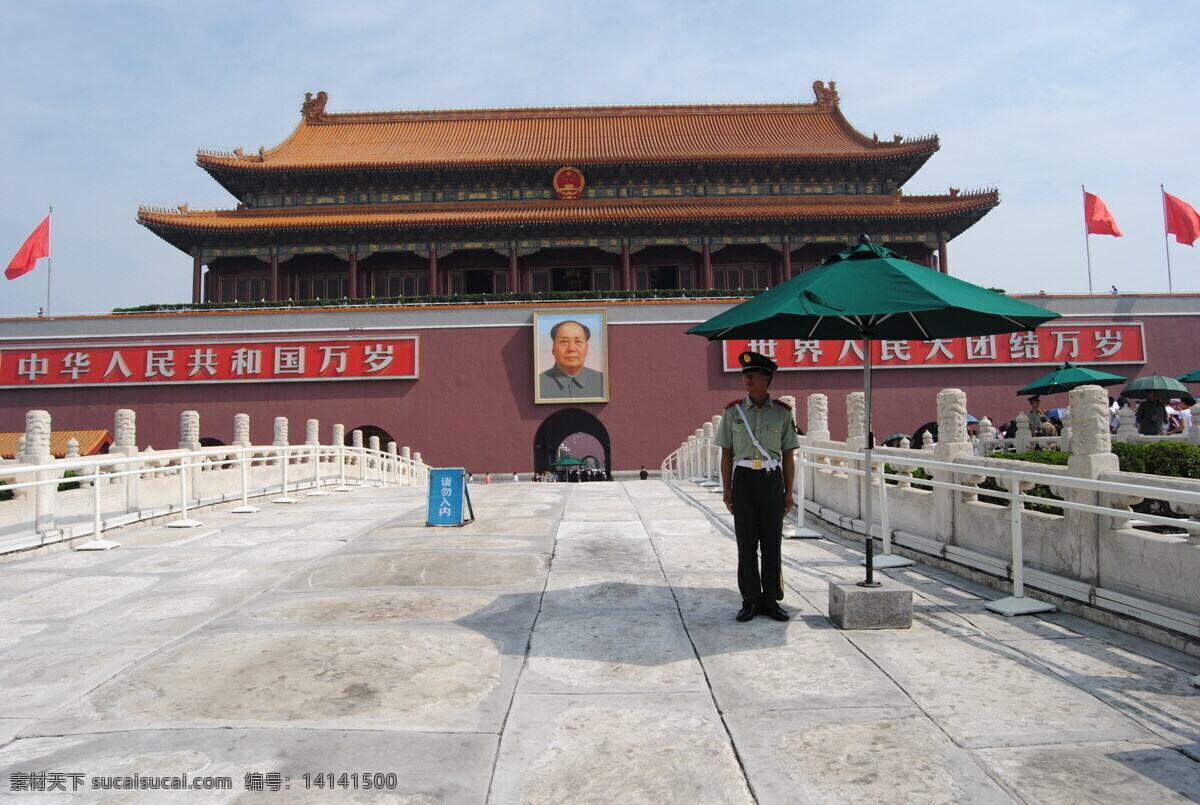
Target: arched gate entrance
561	424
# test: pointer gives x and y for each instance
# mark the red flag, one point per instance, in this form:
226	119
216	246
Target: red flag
36	247
1099	220
1182	220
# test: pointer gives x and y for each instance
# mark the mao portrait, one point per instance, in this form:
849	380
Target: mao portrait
570	354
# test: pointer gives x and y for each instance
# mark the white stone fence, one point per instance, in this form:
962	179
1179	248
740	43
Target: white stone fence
1090	552
60	500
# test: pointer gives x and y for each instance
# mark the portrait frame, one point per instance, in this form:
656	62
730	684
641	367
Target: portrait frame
551	382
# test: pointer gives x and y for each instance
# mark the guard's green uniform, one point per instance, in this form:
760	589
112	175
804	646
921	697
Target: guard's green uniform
758	494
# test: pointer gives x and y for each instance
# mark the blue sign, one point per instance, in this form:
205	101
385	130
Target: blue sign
448	498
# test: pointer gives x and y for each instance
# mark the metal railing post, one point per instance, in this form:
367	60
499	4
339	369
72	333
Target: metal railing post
183	521
285	459
244	459
1017	603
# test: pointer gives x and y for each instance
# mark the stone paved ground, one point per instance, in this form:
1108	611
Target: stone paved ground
575	644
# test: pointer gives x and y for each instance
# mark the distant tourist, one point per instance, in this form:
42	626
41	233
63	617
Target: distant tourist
515	478
643	474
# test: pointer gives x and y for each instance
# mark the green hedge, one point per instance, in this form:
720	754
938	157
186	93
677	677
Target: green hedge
452	299
1169	459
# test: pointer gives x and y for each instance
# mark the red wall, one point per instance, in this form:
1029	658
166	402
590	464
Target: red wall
472	405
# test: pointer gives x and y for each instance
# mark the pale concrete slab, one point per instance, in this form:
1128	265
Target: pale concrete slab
605	554
868	754
414	763
583	594
43	672
347	632
620	529
436	680
1099	772
71	598
15	580
1159	697
428	568
681	527
669	748
798	665
970	687
595	655
175	560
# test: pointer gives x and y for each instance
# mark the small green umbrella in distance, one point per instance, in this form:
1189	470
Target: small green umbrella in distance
1067	377
1191	377
1165	386
567	462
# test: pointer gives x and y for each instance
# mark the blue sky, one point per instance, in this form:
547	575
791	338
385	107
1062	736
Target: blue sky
105	104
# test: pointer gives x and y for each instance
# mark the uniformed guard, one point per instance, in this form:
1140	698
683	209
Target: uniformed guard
757	436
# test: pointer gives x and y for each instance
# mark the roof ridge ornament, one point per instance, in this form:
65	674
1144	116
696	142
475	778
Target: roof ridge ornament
827	97
313	109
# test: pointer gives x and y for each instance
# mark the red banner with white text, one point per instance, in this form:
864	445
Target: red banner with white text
275	361
1050	344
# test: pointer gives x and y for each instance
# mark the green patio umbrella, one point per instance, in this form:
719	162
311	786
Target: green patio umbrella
1191	377
1067	377
868	292
1165	386
567	462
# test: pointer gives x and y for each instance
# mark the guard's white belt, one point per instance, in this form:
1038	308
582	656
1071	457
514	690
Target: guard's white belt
773	464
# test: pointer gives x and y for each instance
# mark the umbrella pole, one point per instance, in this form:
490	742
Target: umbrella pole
870	580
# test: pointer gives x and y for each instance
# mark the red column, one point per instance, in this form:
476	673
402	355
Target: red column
514	272
943	261
787	262
626	271
273	289
706	273
196	269
433	272
354	290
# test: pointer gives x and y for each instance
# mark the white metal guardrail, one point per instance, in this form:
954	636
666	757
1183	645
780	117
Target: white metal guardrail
821	464
117	490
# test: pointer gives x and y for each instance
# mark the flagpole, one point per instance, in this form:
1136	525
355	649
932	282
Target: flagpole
1166	237
1087	243
49	257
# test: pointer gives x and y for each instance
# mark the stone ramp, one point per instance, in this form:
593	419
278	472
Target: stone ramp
575	644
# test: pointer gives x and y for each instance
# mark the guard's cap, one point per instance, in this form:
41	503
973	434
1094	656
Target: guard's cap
753	361
1035	398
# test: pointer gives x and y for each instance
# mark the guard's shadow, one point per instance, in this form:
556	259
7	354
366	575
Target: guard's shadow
623	622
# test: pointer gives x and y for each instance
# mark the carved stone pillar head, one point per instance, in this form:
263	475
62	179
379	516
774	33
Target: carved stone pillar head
405	452
818	413
339	435
391	448
373	443
1089	421
952	416
856	415
708	430
417	458
356	438
986	431
241	430
125	428
281	432
72	448
312	432
189	430
927	440
37	434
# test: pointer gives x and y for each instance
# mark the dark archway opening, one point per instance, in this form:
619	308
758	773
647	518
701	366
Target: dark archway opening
368	431
211	441
562	424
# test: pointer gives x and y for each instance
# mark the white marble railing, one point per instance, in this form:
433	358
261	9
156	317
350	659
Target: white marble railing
1092	551
60	500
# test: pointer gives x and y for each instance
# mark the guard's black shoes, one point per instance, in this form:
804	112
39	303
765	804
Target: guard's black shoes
746	613
775	611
